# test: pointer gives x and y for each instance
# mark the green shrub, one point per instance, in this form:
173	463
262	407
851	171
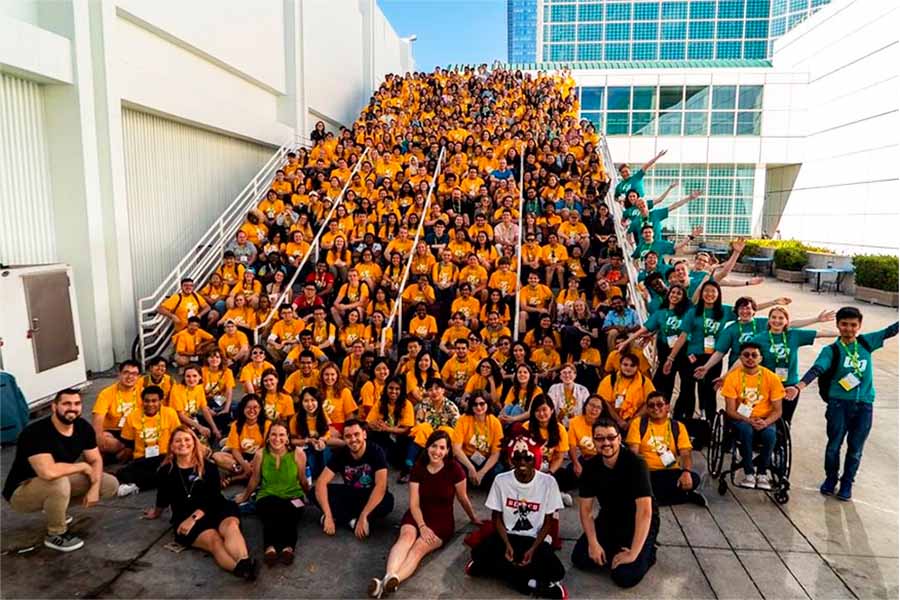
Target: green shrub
876	271
790	258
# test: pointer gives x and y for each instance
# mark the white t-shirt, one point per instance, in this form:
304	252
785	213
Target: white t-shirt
524	505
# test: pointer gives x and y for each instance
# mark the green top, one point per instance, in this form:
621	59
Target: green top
279	481
736	334
667	323
856	360
698	328
780	350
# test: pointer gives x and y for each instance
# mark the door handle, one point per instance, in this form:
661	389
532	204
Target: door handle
35	325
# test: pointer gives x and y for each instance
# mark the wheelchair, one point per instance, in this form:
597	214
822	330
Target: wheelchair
723	441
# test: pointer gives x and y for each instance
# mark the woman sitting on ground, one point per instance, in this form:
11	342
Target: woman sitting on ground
245	438
436	480
202	517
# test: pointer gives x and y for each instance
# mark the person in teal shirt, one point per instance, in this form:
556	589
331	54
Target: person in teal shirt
642	213
635	181
654	291
653	264
850	396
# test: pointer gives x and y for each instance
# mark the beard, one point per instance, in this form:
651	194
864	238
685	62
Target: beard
67	417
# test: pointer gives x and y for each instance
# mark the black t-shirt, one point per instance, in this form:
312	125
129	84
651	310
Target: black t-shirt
358	473
41	437
616	489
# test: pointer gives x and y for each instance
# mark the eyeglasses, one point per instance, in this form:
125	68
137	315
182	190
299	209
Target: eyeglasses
258	352
606	438
479	404
656	405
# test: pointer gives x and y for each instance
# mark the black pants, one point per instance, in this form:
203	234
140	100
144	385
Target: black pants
279	519
665	486
489	558
706	393
141	472
613	537
566	478
788	407
395	446
347	502
665	384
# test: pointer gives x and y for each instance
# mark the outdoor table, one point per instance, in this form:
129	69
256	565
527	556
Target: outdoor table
761	263
818	273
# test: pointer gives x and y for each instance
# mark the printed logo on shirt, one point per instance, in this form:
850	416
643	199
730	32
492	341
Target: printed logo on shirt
848	364
359	476
523	508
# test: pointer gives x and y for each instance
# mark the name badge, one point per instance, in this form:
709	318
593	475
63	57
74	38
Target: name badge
298	502
782	373
219	400
667	458
122	422
849	381
477	458
670	340
709	344
151	451
745	410
620	400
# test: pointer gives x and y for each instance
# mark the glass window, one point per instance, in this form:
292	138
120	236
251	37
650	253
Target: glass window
617	51
674	10
670	97
750	97
562	33
757	29
618	98
646	11
749	123
700	50
590	51
696	124
722	123
644	98
672	51
731	9
618	31
717	226
618	11
670	123
591	32
728	50
778	27
676	30
590	12
746	171
799	5
595	118
757	8
721	171
724	97
617	123
731	29
562	52
644	51
646	31
703	10
755	49
696	97
702	30
564	13
642	123
592	98
741	226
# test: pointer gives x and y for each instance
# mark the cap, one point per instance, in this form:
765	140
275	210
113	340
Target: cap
524	444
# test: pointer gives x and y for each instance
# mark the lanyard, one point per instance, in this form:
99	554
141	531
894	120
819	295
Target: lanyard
708	329
752	327
120	404
624	391
854	357
744	388
667	436
144	427
784	344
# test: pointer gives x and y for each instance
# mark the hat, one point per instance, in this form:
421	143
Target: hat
524	444
230	322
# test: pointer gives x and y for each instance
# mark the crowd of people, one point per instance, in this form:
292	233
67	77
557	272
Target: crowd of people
521	368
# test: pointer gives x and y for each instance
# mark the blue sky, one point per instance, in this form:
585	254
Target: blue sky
450	31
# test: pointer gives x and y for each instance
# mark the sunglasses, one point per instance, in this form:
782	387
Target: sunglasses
606	438
522	457
656	405
749	354
258	352
479	404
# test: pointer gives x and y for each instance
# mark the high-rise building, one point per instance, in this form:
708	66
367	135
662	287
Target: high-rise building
580	30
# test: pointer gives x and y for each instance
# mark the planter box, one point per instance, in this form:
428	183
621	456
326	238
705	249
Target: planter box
874	296
743	268
790	276
824	260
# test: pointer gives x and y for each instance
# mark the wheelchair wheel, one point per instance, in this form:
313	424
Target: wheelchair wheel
715	453
781	457
781	496
723	486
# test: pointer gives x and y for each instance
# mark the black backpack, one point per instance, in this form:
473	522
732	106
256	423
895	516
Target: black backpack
673	426
826	377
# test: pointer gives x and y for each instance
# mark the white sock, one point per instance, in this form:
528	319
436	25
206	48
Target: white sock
532	583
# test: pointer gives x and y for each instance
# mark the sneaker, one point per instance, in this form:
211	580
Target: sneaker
69	519
749	481
376	588
127	489
470	566
567	499
352	524
391	583
695	497
556	590
845	494
64	542
827	487
762	482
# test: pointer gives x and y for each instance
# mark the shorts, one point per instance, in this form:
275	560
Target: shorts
207	521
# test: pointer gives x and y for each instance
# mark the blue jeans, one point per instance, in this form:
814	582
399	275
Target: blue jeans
850	419
744	437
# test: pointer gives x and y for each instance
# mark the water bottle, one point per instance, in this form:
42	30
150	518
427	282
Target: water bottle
308	475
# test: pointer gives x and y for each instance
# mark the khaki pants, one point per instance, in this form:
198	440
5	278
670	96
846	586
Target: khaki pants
53	497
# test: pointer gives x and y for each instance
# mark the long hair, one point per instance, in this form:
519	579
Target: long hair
423	378
196	454
530	387
552	426
242	418
384	403
685	303
339	385
717	310
320	416
438	435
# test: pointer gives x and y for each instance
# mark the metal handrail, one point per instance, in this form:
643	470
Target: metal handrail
153	329
521	242
397	309
314	244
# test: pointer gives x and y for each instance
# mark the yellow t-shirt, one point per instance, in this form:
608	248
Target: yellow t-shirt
190	401
581	436
550	453
249	440
483	438
278	406
339	409
422	327
230	345
297	381
288	332
184	307
215	384
150	431
456	372
657	441
628	395
253	374
187	343
503	281
407	415
468	307
757	391
310	426
115	405
537	297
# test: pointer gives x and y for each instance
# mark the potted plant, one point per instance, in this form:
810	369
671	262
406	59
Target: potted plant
822	258
876	279
789	262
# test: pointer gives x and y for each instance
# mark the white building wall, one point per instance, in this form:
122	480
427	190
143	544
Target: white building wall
845	194
26	203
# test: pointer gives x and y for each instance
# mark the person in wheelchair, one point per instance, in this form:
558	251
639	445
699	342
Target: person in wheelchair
753	396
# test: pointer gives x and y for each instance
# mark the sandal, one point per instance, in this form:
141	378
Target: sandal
287	556
270	557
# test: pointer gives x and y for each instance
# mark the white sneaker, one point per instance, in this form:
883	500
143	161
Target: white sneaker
762	482
352	524
567	499
376	588
127	489
749	481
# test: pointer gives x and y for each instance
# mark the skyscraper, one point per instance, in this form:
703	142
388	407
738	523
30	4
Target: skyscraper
521	30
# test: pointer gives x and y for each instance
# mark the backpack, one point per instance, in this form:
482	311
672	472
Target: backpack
181	297
825	378
673	427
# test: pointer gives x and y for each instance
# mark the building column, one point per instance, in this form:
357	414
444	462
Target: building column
759	200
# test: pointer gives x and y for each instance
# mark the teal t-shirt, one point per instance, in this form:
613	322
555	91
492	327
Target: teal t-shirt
857	360
634	182
661	268
655	302
780	351
661	247
698	328
654	217
667	323
736	334
696	278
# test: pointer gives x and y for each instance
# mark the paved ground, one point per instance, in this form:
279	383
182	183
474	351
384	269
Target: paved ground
743	546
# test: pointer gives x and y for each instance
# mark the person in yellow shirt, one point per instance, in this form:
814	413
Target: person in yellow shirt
420	292
276	404
456	330
241	313
534	300
459	246
306	375
481	226
471	183
187	303
665	446
546	360
401	243
245	438
251	374
310	429
574	232
218	385
476	441
468	305
475	275
234	345
146	433
215	292
113	405
554	259
625	391
458	368
336	396
390	420
231	271
157	374
581	436
504	278
352	295
285	334
249	287
423	326
546	430
354	361
191	343
189	401
753	397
